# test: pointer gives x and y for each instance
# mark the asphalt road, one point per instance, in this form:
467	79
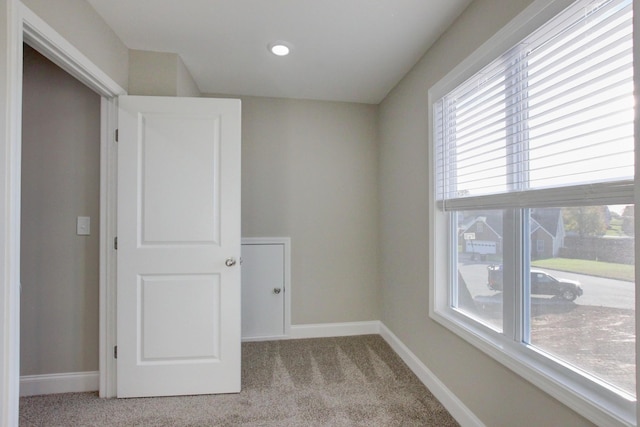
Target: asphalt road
598	291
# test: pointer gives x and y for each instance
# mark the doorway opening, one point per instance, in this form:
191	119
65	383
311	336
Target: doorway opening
60	217
25	26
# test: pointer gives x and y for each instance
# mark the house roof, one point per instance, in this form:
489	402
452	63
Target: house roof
547	218
484	219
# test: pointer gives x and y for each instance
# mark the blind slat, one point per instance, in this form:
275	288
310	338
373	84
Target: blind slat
615	79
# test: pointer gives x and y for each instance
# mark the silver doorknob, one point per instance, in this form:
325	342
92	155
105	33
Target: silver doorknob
276	290
230	262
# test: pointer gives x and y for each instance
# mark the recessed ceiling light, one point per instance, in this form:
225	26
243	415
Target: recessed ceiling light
279	49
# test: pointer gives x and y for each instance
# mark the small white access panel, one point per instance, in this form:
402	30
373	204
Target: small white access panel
265	293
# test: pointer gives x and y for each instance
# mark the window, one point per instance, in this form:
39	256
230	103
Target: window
537	148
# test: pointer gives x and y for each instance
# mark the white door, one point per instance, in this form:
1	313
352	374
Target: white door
263	291
178	239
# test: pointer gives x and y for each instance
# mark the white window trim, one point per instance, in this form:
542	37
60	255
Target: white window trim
596	404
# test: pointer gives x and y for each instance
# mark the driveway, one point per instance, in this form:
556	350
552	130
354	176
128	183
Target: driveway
596	332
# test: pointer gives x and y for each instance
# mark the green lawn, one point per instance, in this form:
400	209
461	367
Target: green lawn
593	268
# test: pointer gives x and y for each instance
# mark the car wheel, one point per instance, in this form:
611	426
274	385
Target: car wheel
568	295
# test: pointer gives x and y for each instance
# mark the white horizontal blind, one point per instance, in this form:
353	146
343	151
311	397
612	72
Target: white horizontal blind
555	112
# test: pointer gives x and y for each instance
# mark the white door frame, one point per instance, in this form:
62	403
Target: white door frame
286	243
22	25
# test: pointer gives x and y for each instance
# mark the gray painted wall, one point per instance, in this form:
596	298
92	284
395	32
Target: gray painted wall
60	181
309	172
152	73
159	74
495	394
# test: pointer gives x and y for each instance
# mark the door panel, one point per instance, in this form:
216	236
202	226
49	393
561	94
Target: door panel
167	171
173	304
178	222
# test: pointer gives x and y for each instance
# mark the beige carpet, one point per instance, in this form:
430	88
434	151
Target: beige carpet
349	381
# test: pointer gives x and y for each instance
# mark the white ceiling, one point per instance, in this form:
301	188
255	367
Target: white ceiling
343	50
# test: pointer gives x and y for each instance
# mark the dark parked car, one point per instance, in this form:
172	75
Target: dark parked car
541	284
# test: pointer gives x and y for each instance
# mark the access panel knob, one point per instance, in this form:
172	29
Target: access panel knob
230	262
276	290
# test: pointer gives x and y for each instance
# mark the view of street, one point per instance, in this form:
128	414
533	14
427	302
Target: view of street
598	291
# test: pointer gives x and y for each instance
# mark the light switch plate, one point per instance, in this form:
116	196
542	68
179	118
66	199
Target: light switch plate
83	226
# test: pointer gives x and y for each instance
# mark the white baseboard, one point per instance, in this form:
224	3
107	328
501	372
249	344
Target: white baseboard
71	382
325	330
450	401
266	338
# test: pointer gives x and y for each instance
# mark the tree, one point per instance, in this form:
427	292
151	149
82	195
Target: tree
586	220
628	226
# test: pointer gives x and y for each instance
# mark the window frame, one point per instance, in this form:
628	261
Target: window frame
598	404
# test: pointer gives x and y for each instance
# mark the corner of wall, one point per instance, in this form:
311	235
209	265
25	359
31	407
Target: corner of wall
160	74
186	85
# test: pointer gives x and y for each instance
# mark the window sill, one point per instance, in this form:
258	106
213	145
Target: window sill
592	400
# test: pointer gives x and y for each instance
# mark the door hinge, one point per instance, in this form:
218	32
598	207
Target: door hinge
117	134
115	352
115	243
